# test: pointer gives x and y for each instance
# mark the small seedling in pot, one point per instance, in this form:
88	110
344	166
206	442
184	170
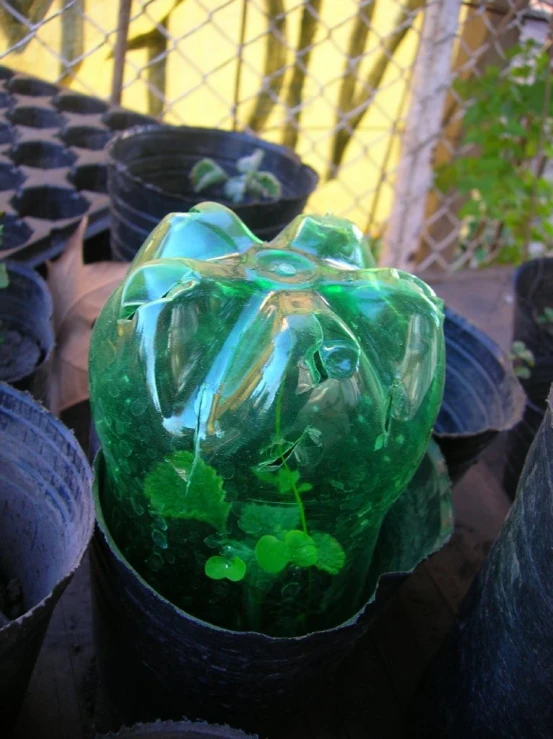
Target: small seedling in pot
522	359
250	182
546	320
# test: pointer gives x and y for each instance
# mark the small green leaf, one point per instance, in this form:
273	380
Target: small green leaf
206	173
257	519
287	479
330	554
219	568
265	185
4	277
184	486
271	554
301	548
250	163
235	189
522	372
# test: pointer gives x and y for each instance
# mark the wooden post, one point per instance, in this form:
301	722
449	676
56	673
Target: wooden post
431	81
120	50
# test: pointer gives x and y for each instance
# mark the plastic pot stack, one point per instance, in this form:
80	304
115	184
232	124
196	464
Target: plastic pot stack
45	526
148	178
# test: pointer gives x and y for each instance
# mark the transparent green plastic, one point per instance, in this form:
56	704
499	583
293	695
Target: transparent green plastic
260	407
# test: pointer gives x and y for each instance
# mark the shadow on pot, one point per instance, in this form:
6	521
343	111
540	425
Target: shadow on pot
45	525
148	177
482	396
155	660
177	730
517	445
26	332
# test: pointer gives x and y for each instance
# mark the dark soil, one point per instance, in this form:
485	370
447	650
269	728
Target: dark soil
11	600
20	354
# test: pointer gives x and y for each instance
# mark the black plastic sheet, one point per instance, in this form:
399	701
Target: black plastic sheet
494	675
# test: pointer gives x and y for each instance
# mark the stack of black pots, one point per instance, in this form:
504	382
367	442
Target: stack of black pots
148	177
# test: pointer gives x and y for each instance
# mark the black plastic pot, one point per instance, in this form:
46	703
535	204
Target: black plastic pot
148	178
482	396
517	445
46	520
534	293
26	332
494	675
177	730
533	289
155	661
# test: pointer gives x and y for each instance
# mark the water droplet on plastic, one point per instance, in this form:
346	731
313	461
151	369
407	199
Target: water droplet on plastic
159	539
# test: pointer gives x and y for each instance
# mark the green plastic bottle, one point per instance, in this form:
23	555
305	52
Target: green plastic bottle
260	407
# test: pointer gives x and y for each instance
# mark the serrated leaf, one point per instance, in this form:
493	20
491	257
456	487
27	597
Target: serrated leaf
250	163
301	548
257	519
271	554
206	173
185	487
330	554
219	568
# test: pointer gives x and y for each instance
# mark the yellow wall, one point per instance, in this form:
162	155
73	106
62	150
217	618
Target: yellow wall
201	76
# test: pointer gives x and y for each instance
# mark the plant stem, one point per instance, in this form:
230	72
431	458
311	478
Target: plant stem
295	490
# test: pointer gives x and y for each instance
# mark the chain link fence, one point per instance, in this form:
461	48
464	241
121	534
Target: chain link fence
361	89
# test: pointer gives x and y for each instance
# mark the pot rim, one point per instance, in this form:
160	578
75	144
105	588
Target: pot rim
143	729
519	396
48	336
88	523
280	150
102	529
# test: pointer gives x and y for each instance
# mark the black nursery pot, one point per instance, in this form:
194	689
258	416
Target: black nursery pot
46	522
177	730
482	396
533	293
26	332
148	178
533	289
493	676
518	442
156	661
